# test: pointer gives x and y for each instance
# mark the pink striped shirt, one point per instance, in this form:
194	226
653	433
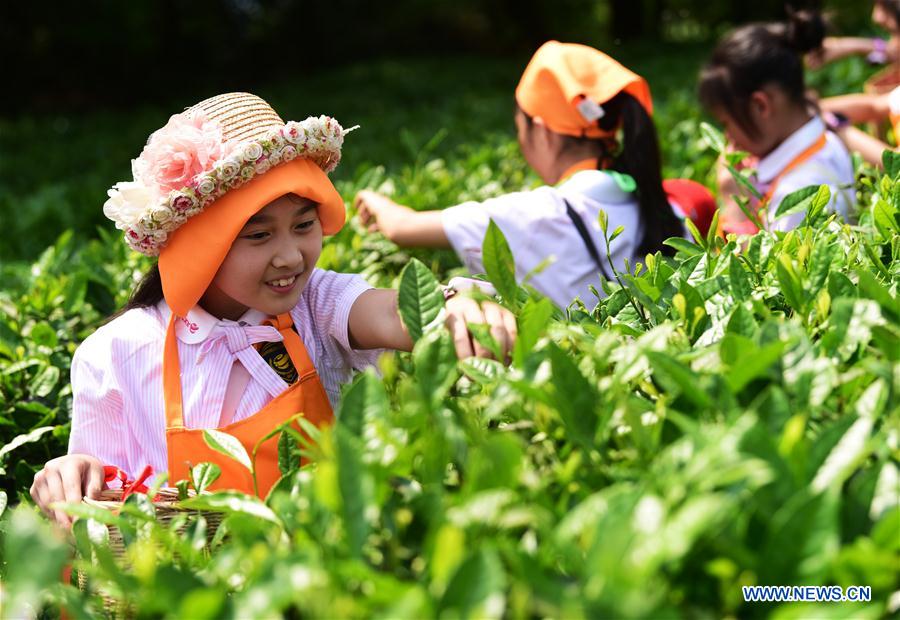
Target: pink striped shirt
117	408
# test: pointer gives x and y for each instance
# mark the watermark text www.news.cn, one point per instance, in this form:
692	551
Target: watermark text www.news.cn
811	594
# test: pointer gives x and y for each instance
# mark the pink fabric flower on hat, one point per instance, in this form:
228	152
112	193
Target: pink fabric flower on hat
188	145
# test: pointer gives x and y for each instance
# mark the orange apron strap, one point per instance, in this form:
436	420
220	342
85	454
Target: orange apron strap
747	227
814	148
292	342
172	379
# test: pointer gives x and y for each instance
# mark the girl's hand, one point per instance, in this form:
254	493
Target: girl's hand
375	210
67	479
404	226
462	311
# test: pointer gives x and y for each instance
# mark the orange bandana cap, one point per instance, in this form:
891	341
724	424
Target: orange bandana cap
189	262
566	84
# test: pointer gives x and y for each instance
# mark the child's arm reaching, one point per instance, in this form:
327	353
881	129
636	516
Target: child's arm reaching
870	147
859	108
404	226
835	48
375	324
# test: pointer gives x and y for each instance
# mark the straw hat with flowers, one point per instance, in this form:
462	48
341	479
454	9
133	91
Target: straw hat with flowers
202	176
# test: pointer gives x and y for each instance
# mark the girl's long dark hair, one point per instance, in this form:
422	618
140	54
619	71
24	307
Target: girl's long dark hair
757	55
147	293
639	157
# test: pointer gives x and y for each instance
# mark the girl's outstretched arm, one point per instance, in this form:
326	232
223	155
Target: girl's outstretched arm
859	108
835	48
375	324
404	226
870	147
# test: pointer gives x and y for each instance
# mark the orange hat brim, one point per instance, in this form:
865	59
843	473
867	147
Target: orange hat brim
194	253
560	74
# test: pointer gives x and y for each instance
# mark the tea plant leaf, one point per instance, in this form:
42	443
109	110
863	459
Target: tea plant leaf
820	261
676	378
574	397
287	454
482	334
695	233
742	323
870	287
754	365
435	366
420	298
449	551
499	264
840	285
818	204
232	502
88	511
791	287
476	589
890	159
21	440
884	220
683	245
229	445
352	479
844	458
364	400
532	324
713	137
482	370
799	200
803	539
44	382
741	286
203	475
44	335
712	234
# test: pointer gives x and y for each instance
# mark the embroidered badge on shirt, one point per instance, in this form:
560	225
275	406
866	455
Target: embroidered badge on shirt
276	356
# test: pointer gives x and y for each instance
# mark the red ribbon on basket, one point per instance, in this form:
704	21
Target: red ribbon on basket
111	472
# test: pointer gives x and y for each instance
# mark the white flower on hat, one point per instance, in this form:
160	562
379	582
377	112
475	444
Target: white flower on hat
252	151
128	203
205	185
228	168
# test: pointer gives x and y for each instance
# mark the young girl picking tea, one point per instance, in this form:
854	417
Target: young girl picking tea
754	85
235	328
584	125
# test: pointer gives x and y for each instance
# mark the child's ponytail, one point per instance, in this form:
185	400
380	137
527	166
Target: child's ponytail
639	157
804	31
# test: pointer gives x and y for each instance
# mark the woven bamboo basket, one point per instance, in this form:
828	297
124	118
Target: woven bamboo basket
167	509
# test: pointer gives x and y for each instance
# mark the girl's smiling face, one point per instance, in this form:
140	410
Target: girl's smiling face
269	262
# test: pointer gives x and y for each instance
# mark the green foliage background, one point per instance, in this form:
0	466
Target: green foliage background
720	419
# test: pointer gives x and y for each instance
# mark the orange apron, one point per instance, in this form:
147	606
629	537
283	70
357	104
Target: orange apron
743	226
186	446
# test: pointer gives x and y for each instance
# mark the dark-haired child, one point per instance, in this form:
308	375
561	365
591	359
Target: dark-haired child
754	85
584	125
